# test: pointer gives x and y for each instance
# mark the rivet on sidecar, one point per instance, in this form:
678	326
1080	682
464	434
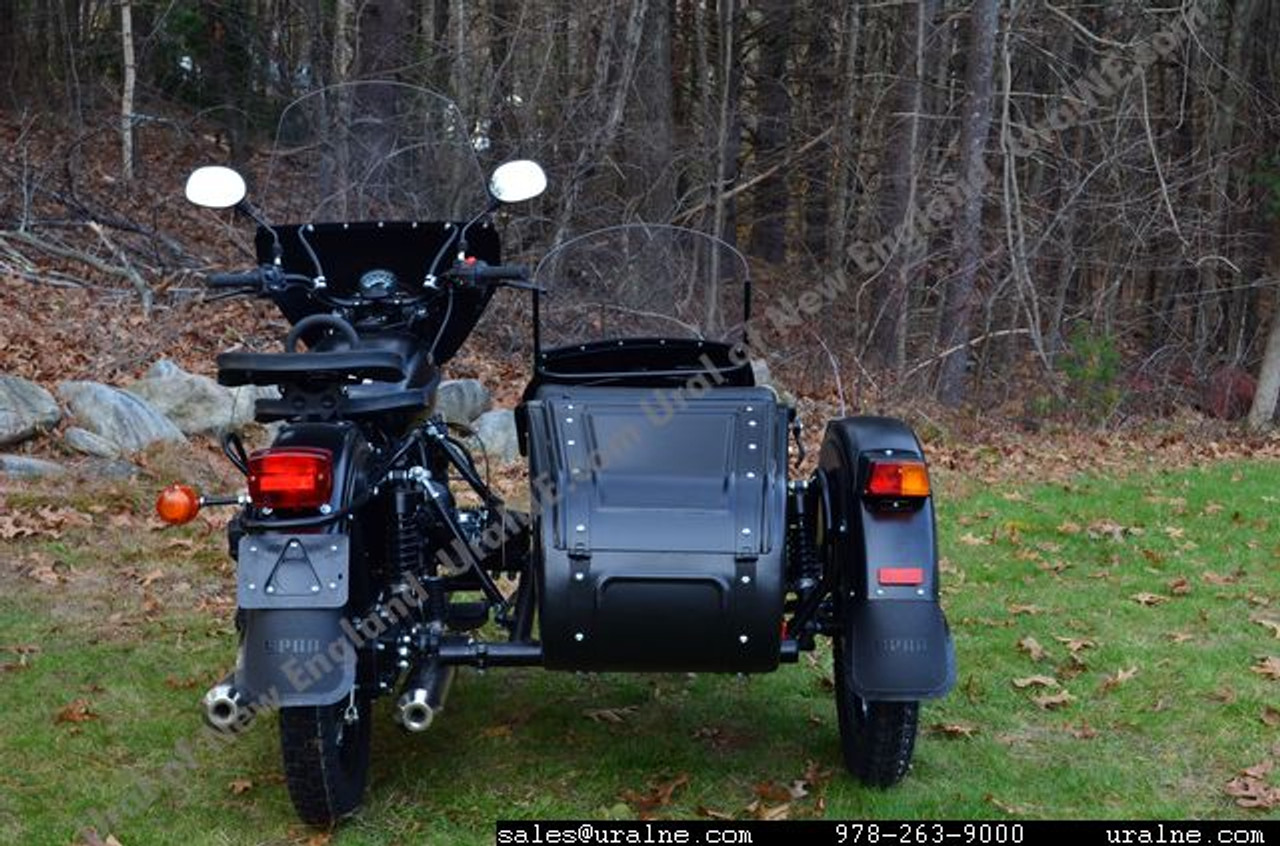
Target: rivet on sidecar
579	576
581	527
751	423
270	589
751	474
742	638
253	549
315	588
333	548
746	531
751	446
568	420
252	586
333	585
571	442
579	637
746	580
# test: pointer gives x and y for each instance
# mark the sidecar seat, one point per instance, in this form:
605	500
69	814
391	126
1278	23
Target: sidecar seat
662	521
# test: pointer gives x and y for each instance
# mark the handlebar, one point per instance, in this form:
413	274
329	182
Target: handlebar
472	272
248	279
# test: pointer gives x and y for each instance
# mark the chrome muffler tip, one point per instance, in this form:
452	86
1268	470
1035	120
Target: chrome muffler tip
415	711
224	708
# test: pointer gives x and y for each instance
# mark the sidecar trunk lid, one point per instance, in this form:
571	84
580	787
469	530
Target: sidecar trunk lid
662	518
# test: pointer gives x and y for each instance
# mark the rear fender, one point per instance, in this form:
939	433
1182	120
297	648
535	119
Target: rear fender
899	637
293	588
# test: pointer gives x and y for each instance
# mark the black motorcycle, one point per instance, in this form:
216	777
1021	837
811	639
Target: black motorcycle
663	535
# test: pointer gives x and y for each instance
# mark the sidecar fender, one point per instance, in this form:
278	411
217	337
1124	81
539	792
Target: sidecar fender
883	564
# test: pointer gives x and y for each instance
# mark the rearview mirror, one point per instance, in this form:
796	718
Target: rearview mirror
517	181
215	187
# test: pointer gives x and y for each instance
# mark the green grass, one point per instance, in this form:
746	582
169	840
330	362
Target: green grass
1047	561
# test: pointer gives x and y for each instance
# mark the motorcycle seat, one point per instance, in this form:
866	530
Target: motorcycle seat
243	368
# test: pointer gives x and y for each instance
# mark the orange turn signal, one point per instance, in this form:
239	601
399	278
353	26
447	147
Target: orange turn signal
897	478
178	504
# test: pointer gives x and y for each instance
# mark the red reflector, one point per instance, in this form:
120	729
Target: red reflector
897	478
291	477
901	575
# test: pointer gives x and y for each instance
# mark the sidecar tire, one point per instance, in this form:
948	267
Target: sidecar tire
877	738
326	761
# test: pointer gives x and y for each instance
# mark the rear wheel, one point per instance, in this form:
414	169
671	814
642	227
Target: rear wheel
326	758
877	738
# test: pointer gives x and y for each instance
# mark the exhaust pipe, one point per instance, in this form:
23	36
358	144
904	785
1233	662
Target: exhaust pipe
424	695
224	707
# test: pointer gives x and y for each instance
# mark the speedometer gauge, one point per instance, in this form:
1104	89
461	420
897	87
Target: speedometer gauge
377	284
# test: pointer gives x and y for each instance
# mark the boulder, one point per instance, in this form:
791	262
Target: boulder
196	404
123	418
21	465
82	440
25	408
462	400
496	431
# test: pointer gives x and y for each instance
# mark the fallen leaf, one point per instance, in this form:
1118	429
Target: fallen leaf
1076	644
970	539
1271	716
1035	681
1149	599
656	797
1251	790
321	838
772	791
1216	579
1011	810
78	711
1225	694
709	813
503	730
240	785
151	578
1084	731
1054	700
1180	637
1016	610
1121	676
1180	586
1268	667
953	730
1174	532
1213	508
1069	528
760	811
1270	624
1032	647
175	683
610	715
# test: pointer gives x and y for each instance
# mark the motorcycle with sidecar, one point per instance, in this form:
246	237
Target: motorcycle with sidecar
663	532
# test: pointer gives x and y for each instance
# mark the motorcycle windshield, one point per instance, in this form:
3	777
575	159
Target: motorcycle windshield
378	150
642	281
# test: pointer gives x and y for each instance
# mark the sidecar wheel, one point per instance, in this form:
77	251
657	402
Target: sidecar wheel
326	759
877	738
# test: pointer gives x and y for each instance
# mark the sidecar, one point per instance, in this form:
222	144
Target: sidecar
669	535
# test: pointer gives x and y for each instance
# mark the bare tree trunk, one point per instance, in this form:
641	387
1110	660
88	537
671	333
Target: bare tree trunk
650	130
126	99
773	124
897	216
960	293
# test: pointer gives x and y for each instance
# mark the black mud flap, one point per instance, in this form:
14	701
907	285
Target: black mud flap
902	650
292	589
901	644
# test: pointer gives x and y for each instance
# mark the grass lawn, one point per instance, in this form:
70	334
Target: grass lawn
1116	639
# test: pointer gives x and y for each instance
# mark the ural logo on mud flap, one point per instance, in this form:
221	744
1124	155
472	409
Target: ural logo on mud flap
291	646
899	645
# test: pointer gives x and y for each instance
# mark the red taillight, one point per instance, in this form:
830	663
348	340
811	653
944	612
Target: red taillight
897	478
291	477
900	575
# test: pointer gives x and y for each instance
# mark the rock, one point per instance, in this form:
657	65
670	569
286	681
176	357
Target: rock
25	408
21	465
462	400
123	418
82	440
111	469
196	404
496	430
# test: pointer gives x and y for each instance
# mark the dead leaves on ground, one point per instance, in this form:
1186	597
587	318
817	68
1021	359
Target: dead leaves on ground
1053	701
43	522
76	711
659	795
1268	667
1033	648
953	731
1116	679
1252	788
613	716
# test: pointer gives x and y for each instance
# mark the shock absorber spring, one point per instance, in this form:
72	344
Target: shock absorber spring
405	552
